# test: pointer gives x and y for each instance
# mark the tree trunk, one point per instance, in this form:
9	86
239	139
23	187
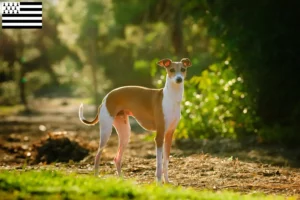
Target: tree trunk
22	80
22	87
177	34
94	73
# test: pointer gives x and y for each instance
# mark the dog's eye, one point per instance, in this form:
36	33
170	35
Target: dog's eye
183	70
172	70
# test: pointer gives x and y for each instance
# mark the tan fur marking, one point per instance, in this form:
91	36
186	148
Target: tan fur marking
167	63
159	120
149	114
177	67
186	62
127	100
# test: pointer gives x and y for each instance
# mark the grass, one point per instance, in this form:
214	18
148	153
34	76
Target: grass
47	184
9	110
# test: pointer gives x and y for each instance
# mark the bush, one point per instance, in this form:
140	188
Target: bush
9	93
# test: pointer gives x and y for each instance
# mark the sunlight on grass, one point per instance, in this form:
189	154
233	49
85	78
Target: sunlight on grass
52	184
84	100
8	110
149	137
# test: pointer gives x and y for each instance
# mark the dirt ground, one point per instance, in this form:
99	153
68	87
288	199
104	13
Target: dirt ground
218	165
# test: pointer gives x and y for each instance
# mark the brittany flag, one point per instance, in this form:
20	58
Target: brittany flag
21	15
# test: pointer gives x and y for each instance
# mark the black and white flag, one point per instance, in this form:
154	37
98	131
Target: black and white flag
21	15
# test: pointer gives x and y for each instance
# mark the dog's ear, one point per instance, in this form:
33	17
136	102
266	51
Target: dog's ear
165	62
186	62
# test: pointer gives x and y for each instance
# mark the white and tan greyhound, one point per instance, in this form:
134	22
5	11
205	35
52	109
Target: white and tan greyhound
154	109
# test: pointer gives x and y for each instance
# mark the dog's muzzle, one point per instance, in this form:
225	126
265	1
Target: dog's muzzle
178	80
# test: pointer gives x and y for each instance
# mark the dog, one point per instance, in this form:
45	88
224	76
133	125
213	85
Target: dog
154	109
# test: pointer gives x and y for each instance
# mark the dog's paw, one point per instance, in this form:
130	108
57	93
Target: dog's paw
158	183
169	183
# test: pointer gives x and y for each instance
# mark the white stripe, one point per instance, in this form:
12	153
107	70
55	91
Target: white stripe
30	6
30	12
21	18
21	24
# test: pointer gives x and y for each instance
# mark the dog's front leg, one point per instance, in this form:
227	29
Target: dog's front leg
159	140
167	149
159	157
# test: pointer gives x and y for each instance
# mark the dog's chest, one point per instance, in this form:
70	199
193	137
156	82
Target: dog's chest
171	111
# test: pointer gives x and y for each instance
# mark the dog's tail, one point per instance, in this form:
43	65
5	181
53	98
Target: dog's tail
83	120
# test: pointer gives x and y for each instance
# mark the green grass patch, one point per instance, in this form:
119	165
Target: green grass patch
84	100
9	110
149	137
47	184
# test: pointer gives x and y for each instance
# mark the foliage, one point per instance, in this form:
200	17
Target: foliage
216	104
9	93
52	184
260	37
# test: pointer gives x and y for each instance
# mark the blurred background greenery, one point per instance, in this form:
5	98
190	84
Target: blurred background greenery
243	81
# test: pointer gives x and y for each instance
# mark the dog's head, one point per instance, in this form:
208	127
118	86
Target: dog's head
176	70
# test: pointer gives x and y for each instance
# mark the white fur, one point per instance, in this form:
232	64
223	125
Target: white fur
159	156
80	113
105	132
165	167
106	118
172	96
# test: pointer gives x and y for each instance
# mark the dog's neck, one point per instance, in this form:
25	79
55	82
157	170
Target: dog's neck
173	90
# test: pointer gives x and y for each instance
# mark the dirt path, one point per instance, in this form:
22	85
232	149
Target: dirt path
197	165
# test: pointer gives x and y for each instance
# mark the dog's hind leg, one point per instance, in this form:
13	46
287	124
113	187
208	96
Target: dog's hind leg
122	126
105	124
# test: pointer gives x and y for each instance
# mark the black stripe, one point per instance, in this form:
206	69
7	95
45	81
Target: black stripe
21	15
22	27
21	21
30	9
30	3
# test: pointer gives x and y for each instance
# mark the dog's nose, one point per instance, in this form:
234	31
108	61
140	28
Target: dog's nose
178	80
